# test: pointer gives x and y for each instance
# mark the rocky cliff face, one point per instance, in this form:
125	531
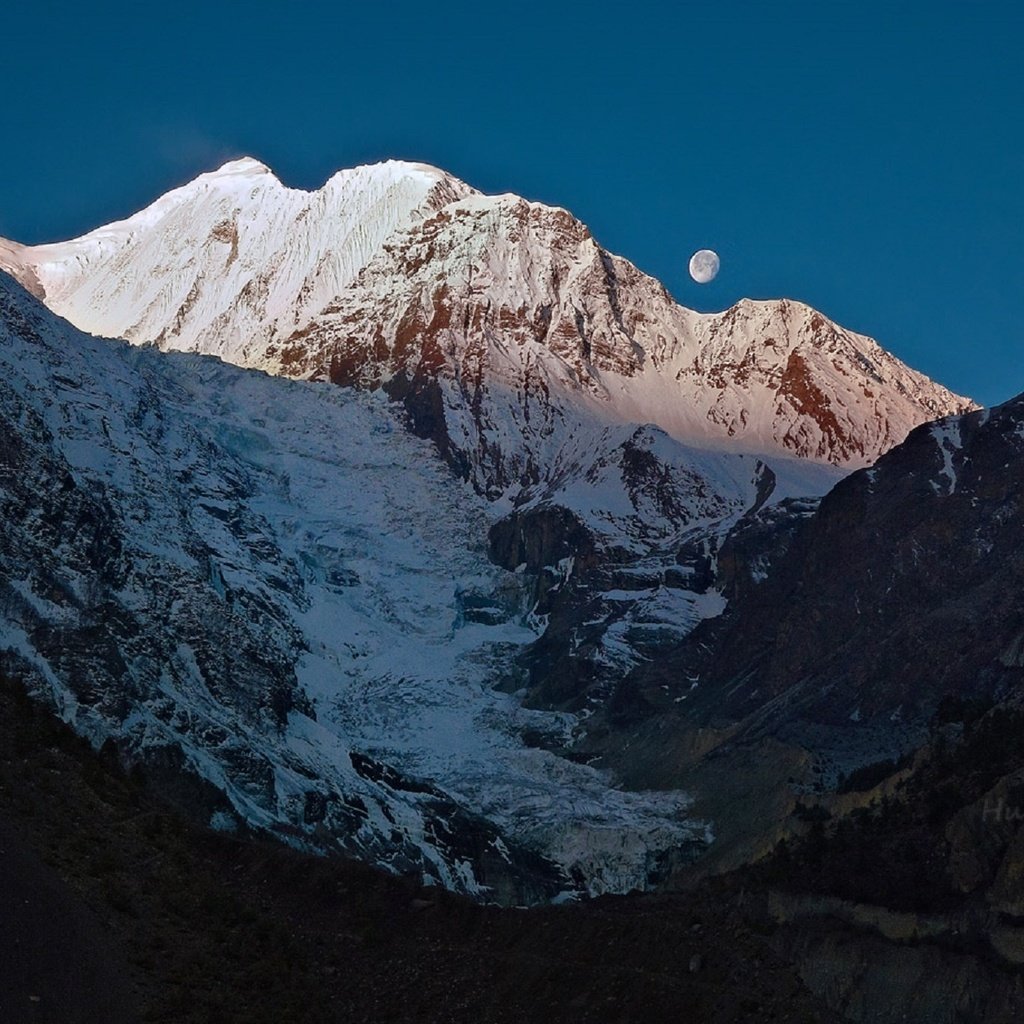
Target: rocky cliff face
849	628
878	612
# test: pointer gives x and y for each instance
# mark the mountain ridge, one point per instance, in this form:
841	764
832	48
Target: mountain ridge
260	241
412	280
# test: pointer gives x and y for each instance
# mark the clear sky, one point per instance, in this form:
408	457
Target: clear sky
865	157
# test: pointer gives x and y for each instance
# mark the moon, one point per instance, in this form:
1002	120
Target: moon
704	264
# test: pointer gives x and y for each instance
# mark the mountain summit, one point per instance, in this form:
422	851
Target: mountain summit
499	322
231	260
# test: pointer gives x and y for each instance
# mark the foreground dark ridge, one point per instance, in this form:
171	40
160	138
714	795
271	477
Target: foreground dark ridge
196	927
141	916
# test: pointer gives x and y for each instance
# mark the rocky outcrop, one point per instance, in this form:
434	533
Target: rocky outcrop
750	550
891	900
866	976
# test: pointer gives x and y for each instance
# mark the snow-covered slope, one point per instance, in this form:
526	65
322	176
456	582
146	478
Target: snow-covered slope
497	321
231	260
273	587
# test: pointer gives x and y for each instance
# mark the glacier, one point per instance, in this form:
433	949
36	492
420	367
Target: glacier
301	526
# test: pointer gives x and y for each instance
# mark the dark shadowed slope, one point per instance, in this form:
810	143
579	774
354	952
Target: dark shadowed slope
60	962
849	628
227	929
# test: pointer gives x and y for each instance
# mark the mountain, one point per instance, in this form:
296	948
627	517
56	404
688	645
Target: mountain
904	561
502	324
279	603
613	427
613	454
731	593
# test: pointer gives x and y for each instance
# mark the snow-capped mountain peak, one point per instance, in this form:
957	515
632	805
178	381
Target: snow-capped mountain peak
229	260
243	165
500	322
619	436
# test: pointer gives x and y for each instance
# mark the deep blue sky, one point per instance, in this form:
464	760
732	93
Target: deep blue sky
865	157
